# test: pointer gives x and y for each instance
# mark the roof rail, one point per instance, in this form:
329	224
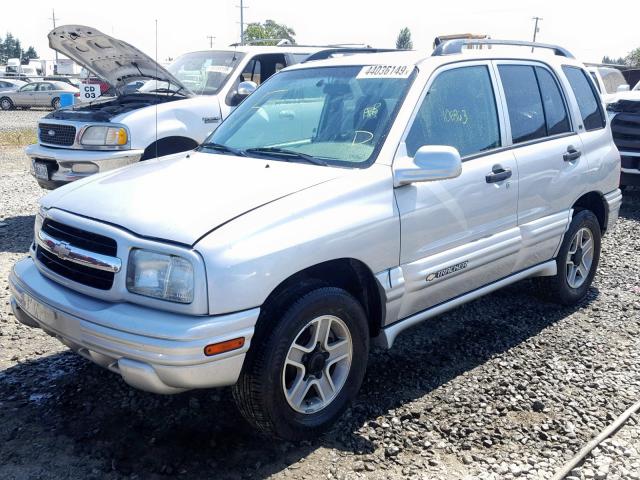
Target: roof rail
330	52
455	46
280	42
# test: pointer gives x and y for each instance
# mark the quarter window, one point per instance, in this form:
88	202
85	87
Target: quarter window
587	97
460	111
524	104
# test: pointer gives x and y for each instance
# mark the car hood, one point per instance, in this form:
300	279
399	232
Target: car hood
114	61
182	197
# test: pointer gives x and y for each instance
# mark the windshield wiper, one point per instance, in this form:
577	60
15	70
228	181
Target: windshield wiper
167	90
282	153
224	148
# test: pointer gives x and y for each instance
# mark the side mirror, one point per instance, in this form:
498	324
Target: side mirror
244	90
431	162
622	88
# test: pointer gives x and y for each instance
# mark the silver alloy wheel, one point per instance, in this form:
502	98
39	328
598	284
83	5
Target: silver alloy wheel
6	104
317	364
579	257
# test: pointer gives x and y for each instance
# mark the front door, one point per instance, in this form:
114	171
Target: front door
25	95
458	234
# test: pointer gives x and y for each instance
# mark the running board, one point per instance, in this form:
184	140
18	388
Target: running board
388	334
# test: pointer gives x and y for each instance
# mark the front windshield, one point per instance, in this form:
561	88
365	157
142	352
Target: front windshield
336	115
205	73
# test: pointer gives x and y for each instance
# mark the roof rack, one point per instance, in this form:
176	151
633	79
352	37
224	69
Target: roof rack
280	42
329	52
455	46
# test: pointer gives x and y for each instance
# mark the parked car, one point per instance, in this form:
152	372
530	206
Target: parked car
10	84
343	202
36	94
623	108
174	111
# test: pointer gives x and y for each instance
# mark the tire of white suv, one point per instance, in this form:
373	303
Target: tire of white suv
577	261
306	366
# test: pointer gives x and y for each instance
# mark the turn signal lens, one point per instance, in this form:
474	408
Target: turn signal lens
226	346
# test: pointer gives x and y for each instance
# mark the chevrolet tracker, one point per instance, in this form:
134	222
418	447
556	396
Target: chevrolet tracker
341	203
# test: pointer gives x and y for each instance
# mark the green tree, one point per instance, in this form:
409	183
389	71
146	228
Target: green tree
269	30
403	42
613	61
10	47
633	59
29	54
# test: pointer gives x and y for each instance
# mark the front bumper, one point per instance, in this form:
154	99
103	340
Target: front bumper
72	164
152	350
614	201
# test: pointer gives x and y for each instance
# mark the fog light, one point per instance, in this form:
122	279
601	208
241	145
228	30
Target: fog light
84	168
221	347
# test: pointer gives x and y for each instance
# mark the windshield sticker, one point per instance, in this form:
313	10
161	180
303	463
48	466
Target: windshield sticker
219	69
371	112
385	71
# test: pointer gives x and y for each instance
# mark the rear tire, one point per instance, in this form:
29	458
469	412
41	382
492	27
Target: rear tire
55	103
293	386
6	103
577	261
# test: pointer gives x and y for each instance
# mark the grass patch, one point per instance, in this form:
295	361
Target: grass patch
18	138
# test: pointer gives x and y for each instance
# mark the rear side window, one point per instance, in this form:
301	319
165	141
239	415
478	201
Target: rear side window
555	111
587	97
524	104
460	111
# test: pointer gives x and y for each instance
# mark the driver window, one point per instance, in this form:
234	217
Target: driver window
460	111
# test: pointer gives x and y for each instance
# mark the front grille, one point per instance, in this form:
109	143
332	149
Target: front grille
630	163
625	128
81	238
90	241
57	134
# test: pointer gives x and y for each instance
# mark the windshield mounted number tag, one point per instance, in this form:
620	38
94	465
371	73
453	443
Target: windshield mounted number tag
385	71
89	92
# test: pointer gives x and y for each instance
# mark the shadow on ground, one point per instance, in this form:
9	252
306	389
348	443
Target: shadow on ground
16	234
61	406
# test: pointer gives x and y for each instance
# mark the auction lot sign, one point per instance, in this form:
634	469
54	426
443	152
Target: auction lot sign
89	92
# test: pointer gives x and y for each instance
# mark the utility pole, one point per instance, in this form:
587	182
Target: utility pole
211	40
242	7
535	29
53	18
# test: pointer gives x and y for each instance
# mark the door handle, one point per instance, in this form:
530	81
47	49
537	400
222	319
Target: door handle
572	154
498	174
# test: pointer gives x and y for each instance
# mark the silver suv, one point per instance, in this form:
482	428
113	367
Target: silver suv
343	202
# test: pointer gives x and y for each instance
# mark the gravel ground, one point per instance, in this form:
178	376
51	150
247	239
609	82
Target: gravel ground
20	119
505	387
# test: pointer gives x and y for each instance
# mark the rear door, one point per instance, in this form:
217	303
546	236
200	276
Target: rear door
548	150
592	124
45	94
458	234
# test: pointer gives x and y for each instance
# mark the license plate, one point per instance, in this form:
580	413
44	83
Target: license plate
37	310
41	170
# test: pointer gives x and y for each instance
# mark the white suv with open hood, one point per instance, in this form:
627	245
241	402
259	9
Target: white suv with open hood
174	110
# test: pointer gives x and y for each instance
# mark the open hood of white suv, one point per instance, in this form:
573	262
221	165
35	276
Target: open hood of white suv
114	61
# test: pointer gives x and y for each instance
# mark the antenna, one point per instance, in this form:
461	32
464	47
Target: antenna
535	29
241	7
156	80
53	18
212	39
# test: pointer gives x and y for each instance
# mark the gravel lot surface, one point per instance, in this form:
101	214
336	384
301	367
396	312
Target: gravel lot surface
505	387
20	119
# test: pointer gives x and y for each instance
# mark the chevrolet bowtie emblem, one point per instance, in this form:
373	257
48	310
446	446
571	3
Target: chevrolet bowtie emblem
62	250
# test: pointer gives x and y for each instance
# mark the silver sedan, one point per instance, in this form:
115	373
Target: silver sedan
36	94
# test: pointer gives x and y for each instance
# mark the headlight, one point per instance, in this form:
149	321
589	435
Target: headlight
40	216
105	136
167	277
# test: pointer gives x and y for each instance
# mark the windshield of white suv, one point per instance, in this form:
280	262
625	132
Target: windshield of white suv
205	73
329	115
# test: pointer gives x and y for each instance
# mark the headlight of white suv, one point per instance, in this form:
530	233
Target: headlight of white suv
167	277
103	136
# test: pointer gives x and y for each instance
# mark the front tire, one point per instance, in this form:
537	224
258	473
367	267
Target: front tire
6	103
304	368
577	261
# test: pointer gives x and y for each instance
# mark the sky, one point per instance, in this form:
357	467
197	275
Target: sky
587	29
